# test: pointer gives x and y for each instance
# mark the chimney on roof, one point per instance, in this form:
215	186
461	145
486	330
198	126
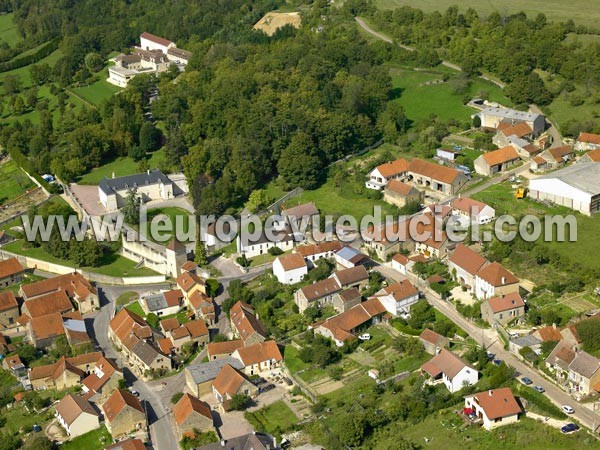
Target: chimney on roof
554	326
148	171
490	392
503	280
113	174
223	442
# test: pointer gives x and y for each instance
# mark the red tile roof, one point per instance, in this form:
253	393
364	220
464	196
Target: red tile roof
118	401
223	348
196	328
506	302
589	138
399	187
431	336
444	362
393	168
321	247
400	259
74	284
10	267
320	289
72	406
245	322
292	261
129	444
594	155
342	325
169	324
166	345
401	290
520	129
47	326
188	405
156	39
498	403
559	152
467	205
228	381
501	156
434	171
54	302
352	275
188	280
261	352
496	275
173	297
8	301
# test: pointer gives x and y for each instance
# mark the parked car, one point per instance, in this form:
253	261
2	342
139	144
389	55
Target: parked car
288	381
526	380
540	389
490	356
36	428
259	381
569	428
267	388
497	362
567	409
134	392
364	337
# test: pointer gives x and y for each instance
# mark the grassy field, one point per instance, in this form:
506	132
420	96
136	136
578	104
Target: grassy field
175	215
96	439
423	93
587	246
99	91
292	360
120	167
584	12
112	265
126	297
8	30
273	419
13	181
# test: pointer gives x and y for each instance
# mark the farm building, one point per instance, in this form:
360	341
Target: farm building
576	187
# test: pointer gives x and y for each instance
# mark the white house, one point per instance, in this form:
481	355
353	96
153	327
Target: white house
151	185
251	247
576	187
151	42
493	280
400	263
290	269
587	141
162	303
76	415
382	174
259	358
448	368
464	264
473	211
494	408
493	116
397	298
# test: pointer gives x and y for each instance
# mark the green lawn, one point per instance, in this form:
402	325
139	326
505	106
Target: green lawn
112	264
584	12
274	419
292	360
99	91
120	167
177	218
136	308
96	439
423	93
444	431
23	72
8	30
13	181
126	297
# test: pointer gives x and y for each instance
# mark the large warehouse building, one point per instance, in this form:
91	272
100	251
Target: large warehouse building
576	187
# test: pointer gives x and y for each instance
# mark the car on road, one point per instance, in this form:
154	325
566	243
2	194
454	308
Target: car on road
569	428
134	392
526	380
497	362
540	389
364	337
567	409
288	381
490	355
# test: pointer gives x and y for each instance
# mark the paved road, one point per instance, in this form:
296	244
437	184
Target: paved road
498	179
552	130
161	429
489	339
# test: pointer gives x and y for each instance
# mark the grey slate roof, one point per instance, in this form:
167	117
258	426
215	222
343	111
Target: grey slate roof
146	352
208	371
584	364
526	341
156	302
254	440
508	113
109	185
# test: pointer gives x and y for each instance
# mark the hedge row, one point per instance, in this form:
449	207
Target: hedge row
23	61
